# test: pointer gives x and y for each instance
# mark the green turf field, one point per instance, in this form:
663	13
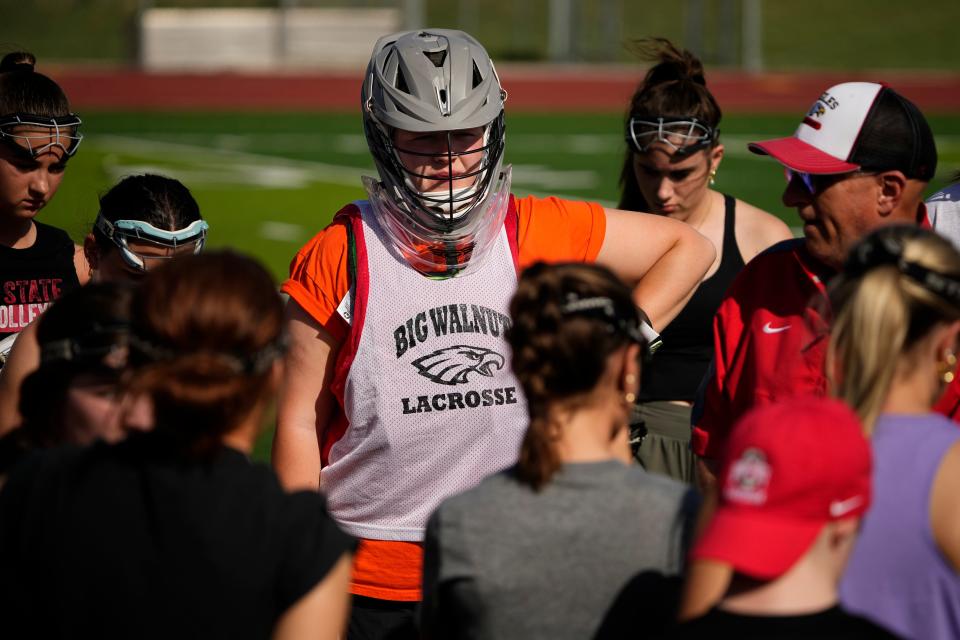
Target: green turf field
267	182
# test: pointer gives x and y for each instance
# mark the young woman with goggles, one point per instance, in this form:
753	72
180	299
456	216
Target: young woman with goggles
671	162
144	220
38	135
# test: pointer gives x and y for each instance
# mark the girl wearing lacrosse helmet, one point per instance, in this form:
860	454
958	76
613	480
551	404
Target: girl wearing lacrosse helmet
673	154
144	220
397	392
38	134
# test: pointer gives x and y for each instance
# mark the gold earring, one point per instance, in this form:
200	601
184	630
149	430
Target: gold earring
630	397
630	378
947	366
713	177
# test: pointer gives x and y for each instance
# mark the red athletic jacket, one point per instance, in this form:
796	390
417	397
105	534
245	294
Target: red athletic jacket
770	343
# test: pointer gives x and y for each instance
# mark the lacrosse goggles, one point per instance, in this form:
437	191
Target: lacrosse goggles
683	134
35	135
156	244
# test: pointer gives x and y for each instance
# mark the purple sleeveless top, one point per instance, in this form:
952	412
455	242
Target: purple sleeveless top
897	576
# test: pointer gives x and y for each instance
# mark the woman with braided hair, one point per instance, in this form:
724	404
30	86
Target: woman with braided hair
671	162
174	532
504	560
896	322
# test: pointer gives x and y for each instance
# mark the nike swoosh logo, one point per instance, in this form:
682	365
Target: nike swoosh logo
842	507
769	328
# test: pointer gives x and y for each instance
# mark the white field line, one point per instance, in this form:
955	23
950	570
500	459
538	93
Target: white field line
184	153
201	164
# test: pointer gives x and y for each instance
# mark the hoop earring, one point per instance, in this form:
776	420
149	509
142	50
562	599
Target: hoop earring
947	367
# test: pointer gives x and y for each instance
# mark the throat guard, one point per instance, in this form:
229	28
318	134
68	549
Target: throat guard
462	249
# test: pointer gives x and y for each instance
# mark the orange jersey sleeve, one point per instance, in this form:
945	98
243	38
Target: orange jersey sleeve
555	230
318	277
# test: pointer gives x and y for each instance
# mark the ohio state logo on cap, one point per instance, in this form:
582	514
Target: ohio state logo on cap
748	478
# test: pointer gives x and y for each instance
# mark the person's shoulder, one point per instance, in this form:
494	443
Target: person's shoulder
948	195
655	486
770	267
531	205
505	481
488	493
52	234
758	230
333	236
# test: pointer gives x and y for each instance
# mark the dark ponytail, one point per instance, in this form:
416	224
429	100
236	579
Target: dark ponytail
560	353
674	86
23	90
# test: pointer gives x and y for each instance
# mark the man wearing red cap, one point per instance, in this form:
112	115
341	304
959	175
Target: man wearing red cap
786	523
860	159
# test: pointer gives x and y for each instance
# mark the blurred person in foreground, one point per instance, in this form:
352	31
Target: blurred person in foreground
175	532
73	397
795	483
143	221
398	394
859	160
673	155
574	541
896	321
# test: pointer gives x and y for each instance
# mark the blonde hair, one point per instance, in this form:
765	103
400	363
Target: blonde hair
884	303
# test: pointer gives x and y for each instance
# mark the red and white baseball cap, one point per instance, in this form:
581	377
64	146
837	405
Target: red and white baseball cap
788	469
858	125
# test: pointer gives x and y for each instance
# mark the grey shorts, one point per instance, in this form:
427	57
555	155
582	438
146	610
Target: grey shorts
660	437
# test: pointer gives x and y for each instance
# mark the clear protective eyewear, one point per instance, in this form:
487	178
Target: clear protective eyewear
21	129
121	231
683	134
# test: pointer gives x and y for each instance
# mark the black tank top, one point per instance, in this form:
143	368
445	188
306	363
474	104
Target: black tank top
678	366
34	277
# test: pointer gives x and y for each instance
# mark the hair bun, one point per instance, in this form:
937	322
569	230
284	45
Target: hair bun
18	61
672	64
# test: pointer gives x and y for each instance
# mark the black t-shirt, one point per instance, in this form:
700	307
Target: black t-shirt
831	624
128	541
34	277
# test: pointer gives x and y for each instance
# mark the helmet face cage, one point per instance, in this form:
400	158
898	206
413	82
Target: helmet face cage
683	134
61	131
120	231
446	209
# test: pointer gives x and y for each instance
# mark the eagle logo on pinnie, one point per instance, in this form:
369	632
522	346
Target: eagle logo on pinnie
453	365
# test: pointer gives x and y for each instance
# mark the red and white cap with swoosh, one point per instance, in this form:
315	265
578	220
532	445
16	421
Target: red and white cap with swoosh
788	469
858	125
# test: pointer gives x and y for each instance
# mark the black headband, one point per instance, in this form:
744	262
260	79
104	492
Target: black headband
254	363
603	308
888	251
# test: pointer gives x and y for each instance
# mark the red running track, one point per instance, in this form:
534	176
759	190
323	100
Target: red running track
530	88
